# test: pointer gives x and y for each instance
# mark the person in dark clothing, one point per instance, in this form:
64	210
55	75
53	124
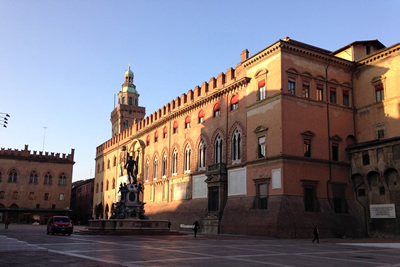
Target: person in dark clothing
169	225
196	227
131	164
7	223
316	234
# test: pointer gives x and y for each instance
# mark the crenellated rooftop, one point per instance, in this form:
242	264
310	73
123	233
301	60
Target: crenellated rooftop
199	96
36	155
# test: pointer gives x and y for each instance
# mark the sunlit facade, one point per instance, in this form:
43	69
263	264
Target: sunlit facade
34	185
267	148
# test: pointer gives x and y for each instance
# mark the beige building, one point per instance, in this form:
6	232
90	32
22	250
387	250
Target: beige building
34	185
271	147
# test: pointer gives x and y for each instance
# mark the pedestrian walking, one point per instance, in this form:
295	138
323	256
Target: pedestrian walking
316	234
195	227
7	223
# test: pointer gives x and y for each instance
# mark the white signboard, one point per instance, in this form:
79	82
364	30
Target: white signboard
382	211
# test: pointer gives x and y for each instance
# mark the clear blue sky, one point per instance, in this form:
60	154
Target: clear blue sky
61	62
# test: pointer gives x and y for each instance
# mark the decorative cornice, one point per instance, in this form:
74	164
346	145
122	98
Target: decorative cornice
379	55
292	47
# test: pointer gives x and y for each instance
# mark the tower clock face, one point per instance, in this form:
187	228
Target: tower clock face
132	196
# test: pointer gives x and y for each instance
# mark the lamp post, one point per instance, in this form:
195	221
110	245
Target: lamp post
4	119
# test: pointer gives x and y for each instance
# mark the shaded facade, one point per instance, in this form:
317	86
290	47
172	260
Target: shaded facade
34	185
82	201
267	148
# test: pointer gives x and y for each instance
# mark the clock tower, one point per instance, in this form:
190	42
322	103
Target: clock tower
128	109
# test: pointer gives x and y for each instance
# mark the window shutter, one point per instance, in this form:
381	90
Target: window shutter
156	134
379	87
187	120
261	83
345	92
175	124
216	107
165	130
235	99
201	114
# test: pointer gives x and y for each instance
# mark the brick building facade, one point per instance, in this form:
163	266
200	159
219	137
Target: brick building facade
269	147
34	185
82	201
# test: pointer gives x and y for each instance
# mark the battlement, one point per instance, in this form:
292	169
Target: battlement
36	155
199	93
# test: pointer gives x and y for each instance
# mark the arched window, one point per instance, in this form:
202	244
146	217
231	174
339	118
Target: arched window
12	176
61	197
155	168
202	155
235	102
97	187
165	130
33	177
130	101
164	166
218	150
156	137
201	116
148	140
62	179
107	184
216	110
187	159
101	187
146	171
174	162
113	183
115	161
175	130
123	100
187	122
108	164
236	144
48	179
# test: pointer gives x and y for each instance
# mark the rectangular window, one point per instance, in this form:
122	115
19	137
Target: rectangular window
307	147
346	102
365	158
332	95
262	196
261	90
379	93
335	152
217	113
292	86
310	198
320	92
361	192
339	200
261	147
306	89
381	133
396	152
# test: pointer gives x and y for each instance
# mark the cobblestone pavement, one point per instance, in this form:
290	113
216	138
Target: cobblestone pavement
28	245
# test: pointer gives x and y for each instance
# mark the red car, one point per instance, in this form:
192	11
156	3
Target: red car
60	224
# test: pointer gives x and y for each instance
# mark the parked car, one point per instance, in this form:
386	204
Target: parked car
60	224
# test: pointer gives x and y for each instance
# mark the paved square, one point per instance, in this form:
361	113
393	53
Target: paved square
30	246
